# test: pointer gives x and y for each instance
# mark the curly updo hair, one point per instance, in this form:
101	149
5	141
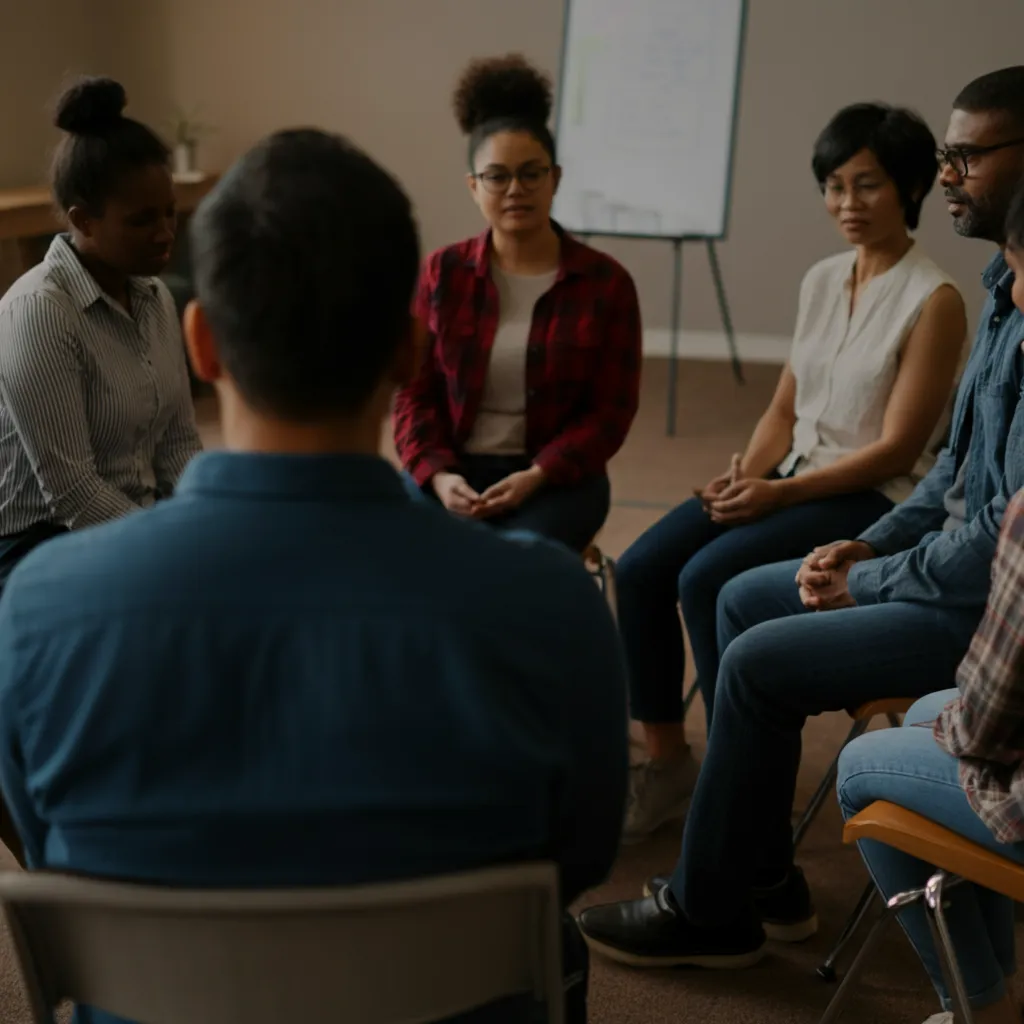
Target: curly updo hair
100	144
504	94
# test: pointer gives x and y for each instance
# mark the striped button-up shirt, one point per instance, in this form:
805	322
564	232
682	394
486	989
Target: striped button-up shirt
96	415
984	726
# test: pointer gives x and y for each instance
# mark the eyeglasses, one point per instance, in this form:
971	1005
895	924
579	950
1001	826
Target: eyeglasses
960	157
497	182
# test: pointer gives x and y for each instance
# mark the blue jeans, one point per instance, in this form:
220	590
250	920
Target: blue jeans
781	664
572	514
907	767
685	557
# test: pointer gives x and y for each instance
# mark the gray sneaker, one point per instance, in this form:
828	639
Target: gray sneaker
659	791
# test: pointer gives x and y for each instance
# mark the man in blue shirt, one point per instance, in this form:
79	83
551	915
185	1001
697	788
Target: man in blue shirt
902	603
290	673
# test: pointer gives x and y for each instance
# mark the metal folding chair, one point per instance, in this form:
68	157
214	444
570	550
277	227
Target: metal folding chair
399	953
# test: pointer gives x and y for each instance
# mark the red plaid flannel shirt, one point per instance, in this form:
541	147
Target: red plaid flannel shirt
582	362
984	726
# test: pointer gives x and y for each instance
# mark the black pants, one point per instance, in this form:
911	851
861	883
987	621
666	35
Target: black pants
571	514
15	546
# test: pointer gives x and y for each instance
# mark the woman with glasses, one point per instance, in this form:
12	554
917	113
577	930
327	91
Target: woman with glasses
532	367
856	417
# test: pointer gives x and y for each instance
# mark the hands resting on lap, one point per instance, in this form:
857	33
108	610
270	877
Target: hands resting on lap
823	574
457	496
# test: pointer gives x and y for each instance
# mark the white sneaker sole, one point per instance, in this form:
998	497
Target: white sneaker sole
799	931
719	962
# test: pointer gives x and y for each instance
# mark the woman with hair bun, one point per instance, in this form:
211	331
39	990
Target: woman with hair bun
532	370
96	416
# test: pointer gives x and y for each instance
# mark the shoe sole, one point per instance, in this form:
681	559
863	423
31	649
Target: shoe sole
677	813
719	962
777	931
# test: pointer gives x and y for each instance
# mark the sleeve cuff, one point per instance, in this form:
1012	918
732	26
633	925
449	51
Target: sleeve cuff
865	580
431	463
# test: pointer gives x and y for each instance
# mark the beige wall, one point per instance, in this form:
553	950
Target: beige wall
382	70
42	43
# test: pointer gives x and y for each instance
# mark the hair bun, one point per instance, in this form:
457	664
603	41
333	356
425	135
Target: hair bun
91	107
502	87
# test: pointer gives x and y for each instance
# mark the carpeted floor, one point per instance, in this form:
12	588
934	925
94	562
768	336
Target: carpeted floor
651	474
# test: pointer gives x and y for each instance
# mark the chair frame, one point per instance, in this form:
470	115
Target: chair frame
39	906
602	568
932	899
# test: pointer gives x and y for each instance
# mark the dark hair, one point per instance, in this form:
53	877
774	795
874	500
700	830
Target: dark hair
100	146
503	94
1015	219
902	143
997	91
305	258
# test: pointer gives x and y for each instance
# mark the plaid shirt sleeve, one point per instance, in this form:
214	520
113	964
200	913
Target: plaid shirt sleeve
584	447
422	428
984	726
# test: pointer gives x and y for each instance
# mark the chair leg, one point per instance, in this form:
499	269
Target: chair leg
825	786
827	971
837	1004
933	897
894	720
688	699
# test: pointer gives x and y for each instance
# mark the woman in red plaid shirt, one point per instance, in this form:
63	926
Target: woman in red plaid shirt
531	376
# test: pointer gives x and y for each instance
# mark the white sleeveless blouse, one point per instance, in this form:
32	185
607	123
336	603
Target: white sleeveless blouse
845	366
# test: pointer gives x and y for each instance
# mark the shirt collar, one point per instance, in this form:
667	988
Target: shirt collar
79	283
574	257
998	275
292	477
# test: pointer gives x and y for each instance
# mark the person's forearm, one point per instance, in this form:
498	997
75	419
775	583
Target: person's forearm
863	470
770	443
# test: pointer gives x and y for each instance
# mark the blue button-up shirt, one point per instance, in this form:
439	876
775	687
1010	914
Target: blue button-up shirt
291	674
950	568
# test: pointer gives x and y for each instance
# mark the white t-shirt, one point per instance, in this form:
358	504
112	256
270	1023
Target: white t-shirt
845	366
500	424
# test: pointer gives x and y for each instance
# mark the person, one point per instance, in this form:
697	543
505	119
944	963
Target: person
96	414
968	776
531	376
858	412
897	609
287	674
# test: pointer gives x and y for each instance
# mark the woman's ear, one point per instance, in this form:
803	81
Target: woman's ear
201	345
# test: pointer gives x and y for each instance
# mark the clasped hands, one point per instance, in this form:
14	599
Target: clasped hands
732	498
457	496
823	576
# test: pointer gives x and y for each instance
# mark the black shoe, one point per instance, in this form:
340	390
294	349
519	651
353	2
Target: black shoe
786	910
653	932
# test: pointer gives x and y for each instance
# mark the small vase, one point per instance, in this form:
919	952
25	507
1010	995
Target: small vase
184	163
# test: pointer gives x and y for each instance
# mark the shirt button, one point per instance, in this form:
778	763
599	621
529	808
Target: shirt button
997	319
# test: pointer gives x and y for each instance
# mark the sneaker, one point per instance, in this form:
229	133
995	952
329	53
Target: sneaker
786	911
659	792
653	932
940	1018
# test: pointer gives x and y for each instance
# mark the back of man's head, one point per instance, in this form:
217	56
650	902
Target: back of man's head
997	92
306	255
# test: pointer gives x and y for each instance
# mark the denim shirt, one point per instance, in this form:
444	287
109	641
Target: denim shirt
919	561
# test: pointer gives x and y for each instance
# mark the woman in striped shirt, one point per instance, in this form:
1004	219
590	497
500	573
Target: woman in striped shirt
96	415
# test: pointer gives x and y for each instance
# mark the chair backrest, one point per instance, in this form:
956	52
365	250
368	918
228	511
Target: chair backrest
399	953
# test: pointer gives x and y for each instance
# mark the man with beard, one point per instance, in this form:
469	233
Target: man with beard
903	600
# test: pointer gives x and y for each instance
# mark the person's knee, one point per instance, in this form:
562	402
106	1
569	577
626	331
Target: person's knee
928	708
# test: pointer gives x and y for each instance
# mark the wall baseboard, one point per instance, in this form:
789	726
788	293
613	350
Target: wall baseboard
753	348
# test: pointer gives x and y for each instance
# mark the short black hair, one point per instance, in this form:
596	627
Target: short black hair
504	94
100	146
1015	220
1001	91
305	257
900	140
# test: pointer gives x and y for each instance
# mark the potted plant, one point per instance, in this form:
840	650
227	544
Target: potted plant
186	131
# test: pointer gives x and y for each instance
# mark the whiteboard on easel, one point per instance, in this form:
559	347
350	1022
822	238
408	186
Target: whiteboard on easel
646	116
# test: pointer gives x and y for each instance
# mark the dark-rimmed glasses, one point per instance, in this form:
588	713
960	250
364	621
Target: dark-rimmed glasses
496	182
959	157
